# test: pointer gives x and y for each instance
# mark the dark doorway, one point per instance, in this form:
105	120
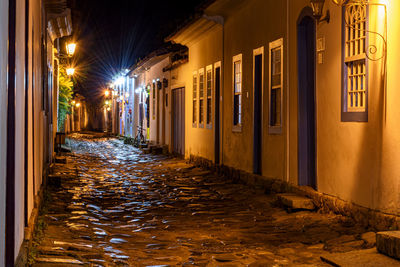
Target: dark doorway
306	101
217	113
178	115
257	114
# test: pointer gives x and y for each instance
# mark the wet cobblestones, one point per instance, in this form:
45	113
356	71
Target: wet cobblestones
117	206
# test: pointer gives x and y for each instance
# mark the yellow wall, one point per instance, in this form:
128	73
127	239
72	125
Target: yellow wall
251	26
205	51
357	161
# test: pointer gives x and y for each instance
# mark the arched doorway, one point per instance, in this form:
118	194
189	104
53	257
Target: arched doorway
306	99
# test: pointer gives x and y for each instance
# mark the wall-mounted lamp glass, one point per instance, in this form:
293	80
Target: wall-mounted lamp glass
318	8
70	71
71	48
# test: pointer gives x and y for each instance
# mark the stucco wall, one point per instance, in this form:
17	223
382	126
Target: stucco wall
357	160
19	125
252	26
3	121
203	52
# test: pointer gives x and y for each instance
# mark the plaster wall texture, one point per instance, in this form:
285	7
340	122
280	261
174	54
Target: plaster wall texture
203	52
3	120
249	27
19	125
358	161
156	72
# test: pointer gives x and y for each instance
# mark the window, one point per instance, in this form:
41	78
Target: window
354	101
194	115
237	92
209	96
275	86
154	100
201	98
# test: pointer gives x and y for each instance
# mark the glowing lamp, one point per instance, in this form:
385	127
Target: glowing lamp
107	102
107	93
70	71
78	105
73	102
71	49
108	109
120	80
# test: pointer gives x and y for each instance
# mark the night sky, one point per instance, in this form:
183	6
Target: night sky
113	34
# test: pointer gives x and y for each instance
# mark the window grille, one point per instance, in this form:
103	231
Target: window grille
209	94
201	98
237	90
194	99
275	85
355	58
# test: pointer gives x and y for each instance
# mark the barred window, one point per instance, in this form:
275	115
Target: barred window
237	90
194	99
201	97
355	69
209	95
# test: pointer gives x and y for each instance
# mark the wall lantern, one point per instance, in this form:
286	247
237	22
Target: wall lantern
70	71
71	49
340	2
318	8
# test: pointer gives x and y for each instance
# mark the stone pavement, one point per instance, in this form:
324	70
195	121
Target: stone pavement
117	206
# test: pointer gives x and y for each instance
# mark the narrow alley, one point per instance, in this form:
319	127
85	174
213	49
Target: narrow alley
118	206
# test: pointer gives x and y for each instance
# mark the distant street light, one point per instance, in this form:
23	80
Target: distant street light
73	102
70	71
71	49
78	105
107	102
108	109
120	80
107	93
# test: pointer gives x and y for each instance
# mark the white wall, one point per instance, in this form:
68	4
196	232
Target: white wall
19	126
3	120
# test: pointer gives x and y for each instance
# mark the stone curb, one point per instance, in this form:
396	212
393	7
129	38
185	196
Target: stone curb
325	203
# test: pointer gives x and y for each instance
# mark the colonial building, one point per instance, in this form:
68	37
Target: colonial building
29	30
305	96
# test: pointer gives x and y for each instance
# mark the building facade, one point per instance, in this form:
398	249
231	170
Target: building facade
28	94
271	89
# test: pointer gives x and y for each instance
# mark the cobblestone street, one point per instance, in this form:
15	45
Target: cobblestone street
118	206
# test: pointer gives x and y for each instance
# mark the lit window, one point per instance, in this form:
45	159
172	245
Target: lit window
355	70
209	96
201	98
275	86
237	90
194	115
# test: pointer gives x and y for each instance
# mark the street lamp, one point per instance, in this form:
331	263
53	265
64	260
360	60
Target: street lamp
71	49
107	93
70	71
73	102
78	105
